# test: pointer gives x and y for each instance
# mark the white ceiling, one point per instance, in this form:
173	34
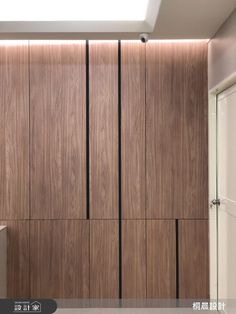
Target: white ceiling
191	18
177	19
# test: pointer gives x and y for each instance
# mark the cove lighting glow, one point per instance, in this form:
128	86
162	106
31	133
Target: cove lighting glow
73	10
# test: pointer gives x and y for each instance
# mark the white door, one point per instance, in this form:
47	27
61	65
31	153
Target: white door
226	192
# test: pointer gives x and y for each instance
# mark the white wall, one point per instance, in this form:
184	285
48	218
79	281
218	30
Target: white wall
222	52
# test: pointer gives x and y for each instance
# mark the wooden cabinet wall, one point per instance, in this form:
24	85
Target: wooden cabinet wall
103	168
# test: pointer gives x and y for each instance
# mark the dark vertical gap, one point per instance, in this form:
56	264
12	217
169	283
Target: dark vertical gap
29	170
119	170
87	129
145	86
87	152
177	257
89	254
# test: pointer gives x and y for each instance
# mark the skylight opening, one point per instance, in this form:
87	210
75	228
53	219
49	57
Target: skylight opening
74	10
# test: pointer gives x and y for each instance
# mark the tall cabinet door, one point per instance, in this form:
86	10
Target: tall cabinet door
103	129
14	131
133	130
176	130
58	130
163	130
195	133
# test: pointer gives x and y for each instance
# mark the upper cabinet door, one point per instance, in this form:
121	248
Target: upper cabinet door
103	129
14	131
163	130
133	129
195	133
58	130
176	130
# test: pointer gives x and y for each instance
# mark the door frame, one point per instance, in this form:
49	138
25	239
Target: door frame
212	169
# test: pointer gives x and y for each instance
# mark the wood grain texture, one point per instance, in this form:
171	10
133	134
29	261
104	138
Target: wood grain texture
17	258
59	262
133	129
14	131
193	259
104	268
176	123
195	133
103	132
163	129
134	257
161	259
58	130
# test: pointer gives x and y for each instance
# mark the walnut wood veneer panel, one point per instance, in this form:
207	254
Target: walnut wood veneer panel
163	129
133	129
17	258
161	259
193	259
103	129
58	130
176	124
14	131
59	262
195	133
134	258
104	259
